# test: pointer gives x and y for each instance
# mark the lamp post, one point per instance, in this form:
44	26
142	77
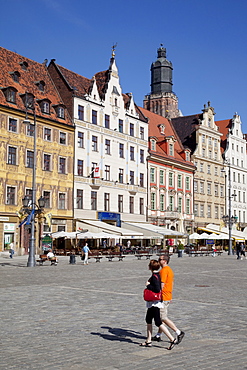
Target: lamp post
31	257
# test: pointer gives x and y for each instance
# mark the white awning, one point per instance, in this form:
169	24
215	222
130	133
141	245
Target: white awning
157	229
148	234
236	234
99	226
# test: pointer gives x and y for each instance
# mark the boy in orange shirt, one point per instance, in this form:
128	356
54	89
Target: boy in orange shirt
167	276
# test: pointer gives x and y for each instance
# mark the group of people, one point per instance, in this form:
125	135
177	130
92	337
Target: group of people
161	280
240	249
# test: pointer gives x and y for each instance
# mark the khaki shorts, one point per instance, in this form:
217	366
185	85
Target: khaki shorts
164	311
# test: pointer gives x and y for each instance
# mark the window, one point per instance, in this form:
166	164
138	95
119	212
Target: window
93	170
12	157
80	167
61	201
180	202
79	198
10	195
121	150
132	153
45	107
30	130
120	125
94	117
120	203
234	176
12	125
94	143
202	187
142	180
141	155
244	197
170	179
107	146
209	189
203	152
170	149
47	162
80	112
162	202
216	171
47	134
142	133
209	122
221	190
60	112
243	179
106	202
201	167
153	144
187	157
215	156
131	129
216	190
202	210
30	159
94	200
107	172
188	206
15	76
120	175
161	177
209	211
24	65
62	138
171	203
80	139
10	95
41	85
203	139
210	141
107	121
47	197
131	204
152	174
132	178
209	169
187	183
141	206
196	210
153	201
216	212
62	165
239	196
210	154
180	181
195	186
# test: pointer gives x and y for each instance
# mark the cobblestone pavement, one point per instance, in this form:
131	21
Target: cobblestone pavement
92	317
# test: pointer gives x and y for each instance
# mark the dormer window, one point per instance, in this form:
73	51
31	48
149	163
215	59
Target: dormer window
209	122
28	100
16	76
187	156
45	106
10	94
60	111
162	128
24	65
41	85
171	149
153	144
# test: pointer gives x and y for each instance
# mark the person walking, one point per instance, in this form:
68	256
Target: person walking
167	278
242	251
11	250
86	250
153	307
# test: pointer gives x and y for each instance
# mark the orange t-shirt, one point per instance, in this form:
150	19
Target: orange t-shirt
166	276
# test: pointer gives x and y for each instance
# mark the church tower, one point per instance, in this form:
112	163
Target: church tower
162	100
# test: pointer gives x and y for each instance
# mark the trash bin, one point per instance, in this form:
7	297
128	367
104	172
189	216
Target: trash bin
72	259
180	253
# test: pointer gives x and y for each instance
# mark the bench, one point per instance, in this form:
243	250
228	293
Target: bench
112	255
94	255
141	254
43	258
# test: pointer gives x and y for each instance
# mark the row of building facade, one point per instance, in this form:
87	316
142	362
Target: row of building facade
99	156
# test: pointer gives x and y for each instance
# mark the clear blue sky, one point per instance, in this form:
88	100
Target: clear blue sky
205	40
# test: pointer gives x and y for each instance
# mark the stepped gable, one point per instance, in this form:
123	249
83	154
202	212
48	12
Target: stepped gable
30	73
186	127
224	127
154	131
79	84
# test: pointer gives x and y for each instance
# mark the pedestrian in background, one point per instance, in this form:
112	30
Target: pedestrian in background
11	250
86	250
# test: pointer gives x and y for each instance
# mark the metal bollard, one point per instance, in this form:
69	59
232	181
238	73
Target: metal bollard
72	259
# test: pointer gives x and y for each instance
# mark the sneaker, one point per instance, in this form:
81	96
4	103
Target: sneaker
156	338
180	337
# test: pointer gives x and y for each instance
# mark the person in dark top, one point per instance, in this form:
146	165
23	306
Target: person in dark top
153	307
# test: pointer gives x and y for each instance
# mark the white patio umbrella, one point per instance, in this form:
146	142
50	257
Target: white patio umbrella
203	236
194	236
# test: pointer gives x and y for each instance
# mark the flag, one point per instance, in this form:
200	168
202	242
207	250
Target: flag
23	222
29	217
96	172
48	217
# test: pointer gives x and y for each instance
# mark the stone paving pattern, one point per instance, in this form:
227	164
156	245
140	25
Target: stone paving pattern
93	317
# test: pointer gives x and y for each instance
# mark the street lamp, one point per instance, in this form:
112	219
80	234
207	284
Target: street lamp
229	219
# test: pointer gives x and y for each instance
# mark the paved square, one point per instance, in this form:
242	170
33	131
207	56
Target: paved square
93	317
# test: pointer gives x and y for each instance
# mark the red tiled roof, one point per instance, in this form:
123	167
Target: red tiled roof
35	72
79	84
154	121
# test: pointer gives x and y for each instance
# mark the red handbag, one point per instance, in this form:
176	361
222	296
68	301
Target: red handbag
148	295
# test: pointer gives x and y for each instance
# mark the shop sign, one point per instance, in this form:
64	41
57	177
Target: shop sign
4	218
46	243
9	227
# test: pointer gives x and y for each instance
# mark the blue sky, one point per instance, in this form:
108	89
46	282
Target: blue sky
205	40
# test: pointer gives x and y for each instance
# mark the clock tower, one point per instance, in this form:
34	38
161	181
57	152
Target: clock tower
162	100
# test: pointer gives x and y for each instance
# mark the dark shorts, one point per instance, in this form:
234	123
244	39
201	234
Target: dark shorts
153	313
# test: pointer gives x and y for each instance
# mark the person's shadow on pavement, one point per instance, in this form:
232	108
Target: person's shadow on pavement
119	334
